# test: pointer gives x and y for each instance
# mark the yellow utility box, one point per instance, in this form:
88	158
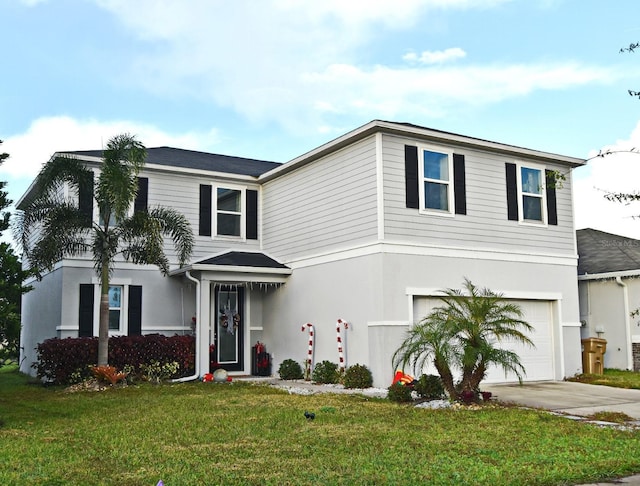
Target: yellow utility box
593	350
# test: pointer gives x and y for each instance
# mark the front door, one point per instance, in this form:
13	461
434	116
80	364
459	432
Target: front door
228	339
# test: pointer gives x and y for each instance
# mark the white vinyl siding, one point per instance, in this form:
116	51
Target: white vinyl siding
328	204
485	226
181	192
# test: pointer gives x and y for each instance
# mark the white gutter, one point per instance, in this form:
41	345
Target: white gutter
627	322
196	374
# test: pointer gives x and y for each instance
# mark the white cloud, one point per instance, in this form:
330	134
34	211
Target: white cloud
435	57
617	172
300	68
30	150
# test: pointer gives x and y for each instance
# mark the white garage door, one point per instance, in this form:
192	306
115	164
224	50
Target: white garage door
538	361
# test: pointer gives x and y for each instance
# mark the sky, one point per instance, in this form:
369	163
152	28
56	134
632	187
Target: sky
273	79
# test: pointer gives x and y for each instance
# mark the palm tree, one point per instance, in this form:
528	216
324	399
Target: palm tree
464	335
52	227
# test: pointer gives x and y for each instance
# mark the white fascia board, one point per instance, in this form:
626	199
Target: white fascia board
609	275
420	133
429	250
200	172
446	137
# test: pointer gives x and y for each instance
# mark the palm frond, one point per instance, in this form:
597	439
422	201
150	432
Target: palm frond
117	184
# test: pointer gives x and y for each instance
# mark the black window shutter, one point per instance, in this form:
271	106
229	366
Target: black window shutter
512	191
140	204
252	214
411	176
459	184
85	202
85	314
134	312
552	210
204	226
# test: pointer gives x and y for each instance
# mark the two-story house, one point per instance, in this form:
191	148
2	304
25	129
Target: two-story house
366	228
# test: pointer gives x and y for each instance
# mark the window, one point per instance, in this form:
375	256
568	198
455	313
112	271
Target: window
125	309
436	189
86	203
115	308
531	196
531	193
228	212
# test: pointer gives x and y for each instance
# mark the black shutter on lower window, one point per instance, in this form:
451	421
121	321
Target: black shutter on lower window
512	191
204	223
85	202
252	214
140	204
134	311
552	208
411	176
459	184
85	314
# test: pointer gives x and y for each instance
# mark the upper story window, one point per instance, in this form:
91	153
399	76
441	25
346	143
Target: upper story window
436	189
531	194
228	212
435	181
91	211
531	197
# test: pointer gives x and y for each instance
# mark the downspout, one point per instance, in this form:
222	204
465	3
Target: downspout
627	322
196	374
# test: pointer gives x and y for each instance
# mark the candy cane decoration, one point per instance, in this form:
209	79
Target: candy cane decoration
340	349
309	362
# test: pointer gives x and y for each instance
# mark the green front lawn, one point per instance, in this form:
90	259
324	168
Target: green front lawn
204	433
612	377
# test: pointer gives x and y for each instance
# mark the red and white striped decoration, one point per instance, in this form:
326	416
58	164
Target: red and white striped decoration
309	363
343	363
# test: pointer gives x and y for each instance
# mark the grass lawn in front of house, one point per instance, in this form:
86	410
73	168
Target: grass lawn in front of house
611	377
239	433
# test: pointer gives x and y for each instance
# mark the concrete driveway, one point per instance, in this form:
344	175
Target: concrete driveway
569	397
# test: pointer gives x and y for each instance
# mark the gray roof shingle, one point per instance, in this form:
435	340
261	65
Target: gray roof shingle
191	159
242	259
601	252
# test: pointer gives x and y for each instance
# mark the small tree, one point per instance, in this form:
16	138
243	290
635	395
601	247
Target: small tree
463	335
11	278
65	229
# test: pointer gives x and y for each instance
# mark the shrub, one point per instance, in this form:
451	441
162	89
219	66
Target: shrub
429	387
157	372
65	361
326	372
357	376
399	393
290	370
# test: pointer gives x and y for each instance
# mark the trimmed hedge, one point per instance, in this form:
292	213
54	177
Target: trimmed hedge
64	361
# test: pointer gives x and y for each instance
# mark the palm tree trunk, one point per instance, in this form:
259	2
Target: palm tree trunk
447	378
103	325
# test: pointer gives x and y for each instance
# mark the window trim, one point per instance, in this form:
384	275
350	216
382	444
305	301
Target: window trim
120	309
450	212
543	194
214	212
124	306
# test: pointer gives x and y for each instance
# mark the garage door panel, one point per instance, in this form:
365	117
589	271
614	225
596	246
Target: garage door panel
537	361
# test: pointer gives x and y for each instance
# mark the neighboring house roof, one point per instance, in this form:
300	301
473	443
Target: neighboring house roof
242	259
191	159
601	252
